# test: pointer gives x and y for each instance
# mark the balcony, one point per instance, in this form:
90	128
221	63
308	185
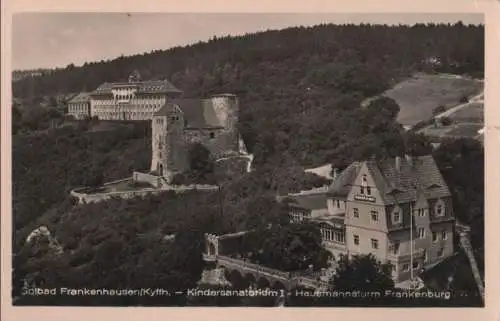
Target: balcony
405	256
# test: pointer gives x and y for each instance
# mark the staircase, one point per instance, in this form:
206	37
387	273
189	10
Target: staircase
466	245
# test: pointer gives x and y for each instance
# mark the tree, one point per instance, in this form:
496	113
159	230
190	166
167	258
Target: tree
438	110
264	210
417	144
363	273
461	162
201	166
95	178
446	121
288	248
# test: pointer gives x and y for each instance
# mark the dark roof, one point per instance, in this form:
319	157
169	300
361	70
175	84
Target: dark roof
307	201
198	113
80	98
152	86
416	175
335	219
342	183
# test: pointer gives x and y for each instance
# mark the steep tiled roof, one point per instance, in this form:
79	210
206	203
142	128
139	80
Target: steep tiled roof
416	175
198	113
153	86
342	183
80	98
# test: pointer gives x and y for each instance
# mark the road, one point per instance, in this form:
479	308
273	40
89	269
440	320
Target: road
479	98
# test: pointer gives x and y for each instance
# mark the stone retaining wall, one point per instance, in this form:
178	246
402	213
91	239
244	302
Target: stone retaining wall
84	198
153	180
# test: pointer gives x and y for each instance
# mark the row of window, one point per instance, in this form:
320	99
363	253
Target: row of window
136	102
435	237
329	234
298	215
416	264
134	113
396	216
127	108
78	107
373	214
394	248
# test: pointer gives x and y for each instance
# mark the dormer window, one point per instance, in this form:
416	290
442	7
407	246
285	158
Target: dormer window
439	209
364	180
396	217
368	190
362	189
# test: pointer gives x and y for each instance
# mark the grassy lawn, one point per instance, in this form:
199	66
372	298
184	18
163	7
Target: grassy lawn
421	94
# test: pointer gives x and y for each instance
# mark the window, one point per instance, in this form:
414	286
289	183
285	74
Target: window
374	243
421	233
395	248
444	235
356	239
355	213
415	265
364	180
406	267
374	215
396	217
362	189
434	236
421	212
339	237
338	204
440	253
425	256
368	190
439	210
212	135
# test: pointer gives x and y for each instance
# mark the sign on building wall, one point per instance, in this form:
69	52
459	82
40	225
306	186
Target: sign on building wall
364	198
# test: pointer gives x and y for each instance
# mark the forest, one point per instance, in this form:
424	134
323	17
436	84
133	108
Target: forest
300	91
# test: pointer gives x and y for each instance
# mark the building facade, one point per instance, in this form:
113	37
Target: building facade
399	210
182	122
79	106
133	100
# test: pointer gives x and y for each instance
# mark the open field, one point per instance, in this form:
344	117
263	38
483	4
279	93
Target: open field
420	95
472	113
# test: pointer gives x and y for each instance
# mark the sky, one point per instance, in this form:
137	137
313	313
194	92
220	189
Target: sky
49	40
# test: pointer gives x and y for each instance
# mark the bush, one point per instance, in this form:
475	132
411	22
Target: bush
438	110
446	121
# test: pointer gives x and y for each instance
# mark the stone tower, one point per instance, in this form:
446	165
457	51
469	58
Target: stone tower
168	148
226	107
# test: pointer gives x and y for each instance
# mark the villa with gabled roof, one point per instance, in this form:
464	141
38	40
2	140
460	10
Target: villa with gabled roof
398	209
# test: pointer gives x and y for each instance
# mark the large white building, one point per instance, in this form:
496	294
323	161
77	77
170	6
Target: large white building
132	100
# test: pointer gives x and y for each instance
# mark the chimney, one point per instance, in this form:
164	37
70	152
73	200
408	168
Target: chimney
398	163
335	173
